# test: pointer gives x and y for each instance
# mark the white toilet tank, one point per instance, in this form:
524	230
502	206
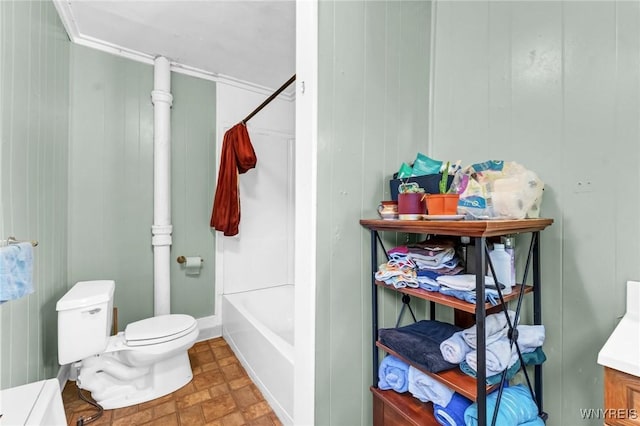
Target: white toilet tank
84	320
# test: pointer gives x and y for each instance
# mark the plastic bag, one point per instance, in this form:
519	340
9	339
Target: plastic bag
498	190
426	166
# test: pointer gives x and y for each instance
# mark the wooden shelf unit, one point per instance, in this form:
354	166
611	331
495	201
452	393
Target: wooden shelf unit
392	408
461	305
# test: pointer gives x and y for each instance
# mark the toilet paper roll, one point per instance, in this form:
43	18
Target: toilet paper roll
193	265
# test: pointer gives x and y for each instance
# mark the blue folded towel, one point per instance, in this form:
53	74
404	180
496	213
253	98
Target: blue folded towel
16	266
419	343
535	422
426	388
393	374
516	407
490	296
453	413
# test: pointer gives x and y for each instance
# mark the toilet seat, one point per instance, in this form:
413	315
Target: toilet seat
160	329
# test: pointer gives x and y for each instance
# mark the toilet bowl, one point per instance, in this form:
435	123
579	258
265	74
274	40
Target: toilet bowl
145	361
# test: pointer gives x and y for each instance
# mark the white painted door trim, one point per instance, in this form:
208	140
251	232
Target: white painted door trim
305	209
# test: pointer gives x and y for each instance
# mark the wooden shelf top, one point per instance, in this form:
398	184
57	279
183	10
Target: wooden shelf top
461	228
451	301
455	379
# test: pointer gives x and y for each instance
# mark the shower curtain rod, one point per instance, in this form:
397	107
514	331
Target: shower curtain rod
269	99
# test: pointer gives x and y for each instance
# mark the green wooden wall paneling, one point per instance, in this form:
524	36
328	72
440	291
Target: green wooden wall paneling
34	98
111	178
111	182
372	116
554	86
192	188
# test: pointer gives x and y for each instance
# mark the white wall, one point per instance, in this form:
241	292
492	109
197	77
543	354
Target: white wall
261	255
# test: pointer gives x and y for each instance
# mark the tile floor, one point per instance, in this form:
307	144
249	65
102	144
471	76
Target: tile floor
220	394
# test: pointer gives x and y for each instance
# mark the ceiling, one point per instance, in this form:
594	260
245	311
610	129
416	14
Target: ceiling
252	41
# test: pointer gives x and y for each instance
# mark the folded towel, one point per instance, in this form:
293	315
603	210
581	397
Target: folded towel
420	343
516	407
16	270
454	349
530	337
535	422
431	261
495	328
393	373
531	358
453	413
426	388
494	379
490	296
500	356
462	281
536	357
427	273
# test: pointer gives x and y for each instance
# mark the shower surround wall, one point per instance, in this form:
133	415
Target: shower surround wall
111	182
264	246
254	269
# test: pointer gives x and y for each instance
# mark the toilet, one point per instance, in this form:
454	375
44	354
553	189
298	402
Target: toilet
145	361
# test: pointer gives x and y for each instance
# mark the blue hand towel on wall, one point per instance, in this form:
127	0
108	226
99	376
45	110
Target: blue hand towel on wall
16	266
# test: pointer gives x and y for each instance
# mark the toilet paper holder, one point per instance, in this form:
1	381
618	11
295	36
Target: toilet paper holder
183	259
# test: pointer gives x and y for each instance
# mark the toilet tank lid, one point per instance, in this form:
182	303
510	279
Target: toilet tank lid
86	293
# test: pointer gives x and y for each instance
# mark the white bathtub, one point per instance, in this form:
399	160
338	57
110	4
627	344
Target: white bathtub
258	325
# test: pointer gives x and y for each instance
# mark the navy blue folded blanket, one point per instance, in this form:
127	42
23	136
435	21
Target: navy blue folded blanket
420	343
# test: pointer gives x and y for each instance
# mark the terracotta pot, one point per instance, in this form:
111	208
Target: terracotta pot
442	204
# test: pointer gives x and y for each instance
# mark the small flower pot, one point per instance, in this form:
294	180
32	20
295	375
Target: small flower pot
442	204
410	206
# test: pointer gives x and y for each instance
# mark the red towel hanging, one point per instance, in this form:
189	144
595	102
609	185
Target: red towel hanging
237	157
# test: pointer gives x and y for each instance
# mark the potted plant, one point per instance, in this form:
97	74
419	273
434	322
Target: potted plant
444	203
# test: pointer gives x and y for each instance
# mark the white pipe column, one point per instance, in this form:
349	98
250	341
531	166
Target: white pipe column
161	229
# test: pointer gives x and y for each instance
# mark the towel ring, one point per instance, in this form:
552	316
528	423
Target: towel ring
13	240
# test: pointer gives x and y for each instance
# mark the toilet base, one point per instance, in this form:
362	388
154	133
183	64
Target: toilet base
166	376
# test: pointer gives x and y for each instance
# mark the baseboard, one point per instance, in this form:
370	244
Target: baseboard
210	327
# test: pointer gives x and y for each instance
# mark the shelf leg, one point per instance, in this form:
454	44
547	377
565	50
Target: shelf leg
374	306
481	350
537	312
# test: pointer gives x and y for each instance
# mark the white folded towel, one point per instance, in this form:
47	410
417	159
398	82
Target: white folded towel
462	281
530	337
500	356
426	388
454	349
495	328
